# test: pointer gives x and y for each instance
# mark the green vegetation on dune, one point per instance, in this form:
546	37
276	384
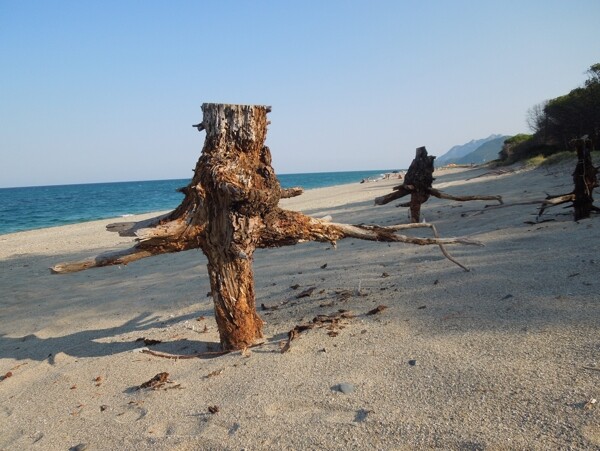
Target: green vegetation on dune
556	158
558	121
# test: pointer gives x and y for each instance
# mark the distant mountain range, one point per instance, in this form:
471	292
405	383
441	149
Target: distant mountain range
477	151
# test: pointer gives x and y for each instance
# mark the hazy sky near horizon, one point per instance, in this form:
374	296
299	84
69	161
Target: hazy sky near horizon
108	90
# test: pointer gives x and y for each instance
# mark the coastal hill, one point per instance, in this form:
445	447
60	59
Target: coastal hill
475	151
488	151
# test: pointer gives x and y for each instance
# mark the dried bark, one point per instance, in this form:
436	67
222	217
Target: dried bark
417	183
418	180
585	179
230	209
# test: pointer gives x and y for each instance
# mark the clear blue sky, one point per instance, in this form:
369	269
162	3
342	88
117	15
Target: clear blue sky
108	90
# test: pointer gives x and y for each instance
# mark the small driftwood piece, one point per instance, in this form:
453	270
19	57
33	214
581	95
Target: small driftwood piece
230	209
417	183
156	382
585	179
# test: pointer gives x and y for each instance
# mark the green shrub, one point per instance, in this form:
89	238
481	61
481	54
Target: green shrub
559	157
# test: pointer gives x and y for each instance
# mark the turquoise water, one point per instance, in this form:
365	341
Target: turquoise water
47	206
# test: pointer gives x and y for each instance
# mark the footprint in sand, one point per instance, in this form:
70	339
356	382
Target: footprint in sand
5	412
592	433
130	413
190	426
302	412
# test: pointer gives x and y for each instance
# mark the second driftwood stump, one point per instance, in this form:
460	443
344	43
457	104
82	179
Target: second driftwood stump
417	183
230	209
585	180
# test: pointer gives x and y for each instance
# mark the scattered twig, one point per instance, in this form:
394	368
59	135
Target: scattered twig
6	376
378	309
10	373
214	373
330	321
197	355
306	293
343	295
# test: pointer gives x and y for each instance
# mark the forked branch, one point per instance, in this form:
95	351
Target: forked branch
287	228
403	190
553	201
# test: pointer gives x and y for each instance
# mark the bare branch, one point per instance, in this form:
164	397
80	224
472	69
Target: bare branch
286	193
109	258
190	238
551	202
130	228
442	195
399	191
289	227
382	235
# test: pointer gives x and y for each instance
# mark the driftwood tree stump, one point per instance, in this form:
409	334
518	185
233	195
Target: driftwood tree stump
417	183
585	179
230	209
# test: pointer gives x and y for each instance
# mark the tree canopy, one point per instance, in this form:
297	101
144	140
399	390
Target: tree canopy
558	121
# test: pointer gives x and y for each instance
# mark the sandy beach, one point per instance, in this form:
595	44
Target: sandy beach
506	356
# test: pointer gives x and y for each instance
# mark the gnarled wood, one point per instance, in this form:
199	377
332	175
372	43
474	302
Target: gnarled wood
419	177
585	179
231	208
417	183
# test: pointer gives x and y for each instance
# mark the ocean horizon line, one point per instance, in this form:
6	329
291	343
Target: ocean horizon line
383	171
35	207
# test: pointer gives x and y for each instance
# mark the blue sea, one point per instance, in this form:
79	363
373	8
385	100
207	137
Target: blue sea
48	206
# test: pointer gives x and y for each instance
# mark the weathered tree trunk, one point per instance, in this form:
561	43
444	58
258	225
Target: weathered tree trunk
239	187
417	183
420	177
230	209
585	179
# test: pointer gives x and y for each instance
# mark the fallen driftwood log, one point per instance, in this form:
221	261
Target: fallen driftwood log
230	209
417	183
